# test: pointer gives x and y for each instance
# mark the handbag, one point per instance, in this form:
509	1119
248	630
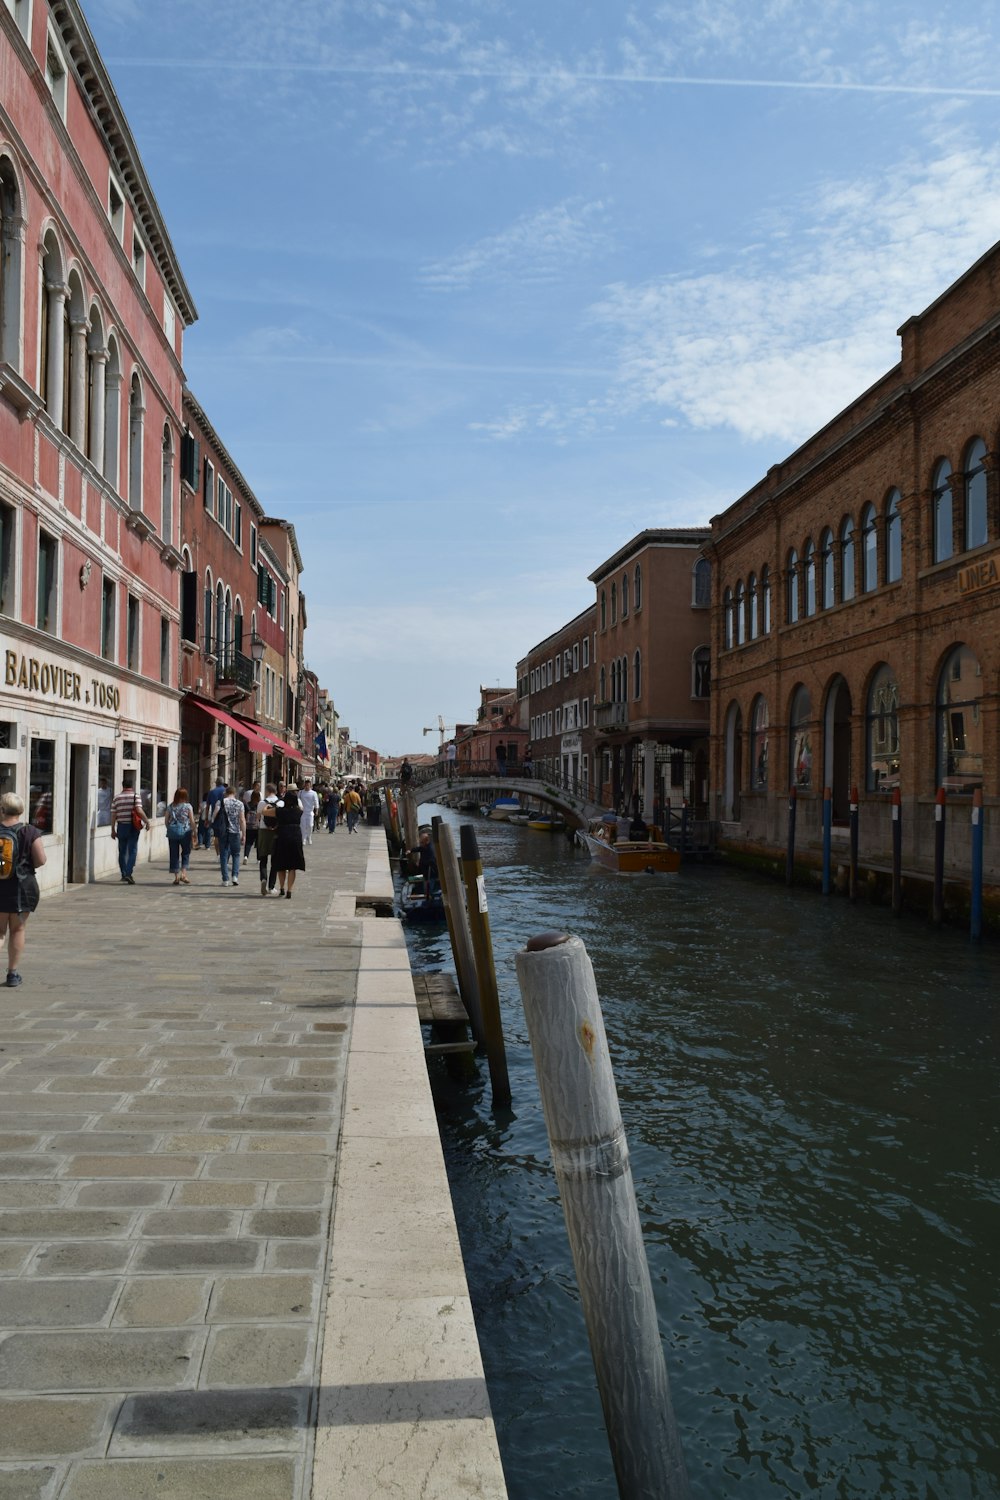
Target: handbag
137	817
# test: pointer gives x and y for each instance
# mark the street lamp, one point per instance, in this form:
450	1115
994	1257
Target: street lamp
257	649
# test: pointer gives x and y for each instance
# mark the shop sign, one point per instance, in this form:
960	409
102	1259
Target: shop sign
979	575
48	679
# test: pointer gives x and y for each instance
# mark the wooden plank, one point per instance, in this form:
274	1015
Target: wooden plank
438	1000
436	1048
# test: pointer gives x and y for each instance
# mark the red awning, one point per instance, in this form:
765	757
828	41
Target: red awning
256	741
272	741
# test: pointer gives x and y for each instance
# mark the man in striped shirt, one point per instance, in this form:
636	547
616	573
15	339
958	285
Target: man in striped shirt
123	829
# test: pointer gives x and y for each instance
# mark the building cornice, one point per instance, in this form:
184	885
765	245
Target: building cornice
668	537
191	404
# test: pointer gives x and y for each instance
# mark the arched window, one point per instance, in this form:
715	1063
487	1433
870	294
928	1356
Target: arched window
792	588
604	686
752	617
220	622
741	614
636	677
11	268
765	593
228	627
701	672
112	413
53	317
809	561
702	595
624	595
941	511
847	564
974	478
637	590
893	539
604	610
800	740
758	745
826	589
960	723
97	362
238	624
727	619
614	603
167	491
136	416
207	606
869	549
882	731
75	409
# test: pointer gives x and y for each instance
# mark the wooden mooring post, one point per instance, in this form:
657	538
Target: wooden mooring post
591	1161
408	805
482	947
897	852
453	891
937	900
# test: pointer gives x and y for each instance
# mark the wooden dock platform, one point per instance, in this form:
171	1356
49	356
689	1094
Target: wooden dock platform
440	1006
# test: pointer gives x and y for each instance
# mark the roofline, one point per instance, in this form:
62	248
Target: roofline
589	609
97	88
189	399
658	536
287	527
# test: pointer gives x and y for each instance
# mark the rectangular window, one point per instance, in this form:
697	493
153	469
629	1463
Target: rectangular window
558	721
169	319
281	609
164	649
55	73
146	779
586	712
253	545
6	559
42	784
21	11
162	772
238	525
48	563
116	209
139	260
132	657
576	657
209	486
558	669
586	651
106	786
189	460
108	591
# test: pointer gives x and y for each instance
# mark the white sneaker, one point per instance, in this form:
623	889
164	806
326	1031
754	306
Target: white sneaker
225	882
235	882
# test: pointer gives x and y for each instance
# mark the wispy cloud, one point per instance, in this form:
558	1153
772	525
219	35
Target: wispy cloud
537	247
778	341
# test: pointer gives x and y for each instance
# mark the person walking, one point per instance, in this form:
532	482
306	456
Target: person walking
253	822
352	808
232	822
332	808
309	802
288	856
127	822
267	828
180	821
21	854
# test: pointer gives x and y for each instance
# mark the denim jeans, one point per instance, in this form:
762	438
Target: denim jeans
352	821
229	853
180	853
128	845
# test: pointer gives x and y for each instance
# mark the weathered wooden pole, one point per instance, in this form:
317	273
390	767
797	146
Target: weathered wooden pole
827	839
937	901
897	852
590	1156
482	947
852	879
976	891
453	892
411	832
790	855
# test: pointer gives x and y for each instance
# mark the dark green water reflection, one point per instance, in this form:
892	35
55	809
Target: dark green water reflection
809	1093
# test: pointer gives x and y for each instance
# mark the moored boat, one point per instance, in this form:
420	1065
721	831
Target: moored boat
648	856
545	824
415	904
503	807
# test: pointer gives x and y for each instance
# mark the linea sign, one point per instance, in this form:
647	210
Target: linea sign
979	575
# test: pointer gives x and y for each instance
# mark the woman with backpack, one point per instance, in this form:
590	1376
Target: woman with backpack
21	854
180	821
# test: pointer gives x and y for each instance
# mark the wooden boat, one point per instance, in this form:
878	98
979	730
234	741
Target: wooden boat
414	903
649	856
503	807
522	818
547	825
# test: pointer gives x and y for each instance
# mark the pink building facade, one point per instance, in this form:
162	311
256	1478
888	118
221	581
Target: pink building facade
93	308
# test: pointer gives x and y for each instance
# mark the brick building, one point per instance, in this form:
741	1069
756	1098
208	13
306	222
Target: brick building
556	687
857	602
496	742
93	307
652	655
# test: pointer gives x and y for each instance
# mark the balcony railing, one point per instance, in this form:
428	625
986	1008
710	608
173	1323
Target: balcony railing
232	666
610	716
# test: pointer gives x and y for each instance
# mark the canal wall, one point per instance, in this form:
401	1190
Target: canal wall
403	1406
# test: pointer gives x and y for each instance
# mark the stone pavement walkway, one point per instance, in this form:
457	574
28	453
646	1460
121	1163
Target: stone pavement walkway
171	1082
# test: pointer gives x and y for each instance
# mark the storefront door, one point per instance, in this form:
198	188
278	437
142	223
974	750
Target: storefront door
78	816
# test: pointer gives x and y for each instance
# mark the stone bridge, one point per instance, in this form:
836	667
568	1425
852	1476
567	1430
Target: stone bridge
579	809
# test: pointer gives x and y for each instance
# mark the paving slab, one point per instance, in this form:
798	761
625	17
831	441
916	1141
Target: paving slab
175	1161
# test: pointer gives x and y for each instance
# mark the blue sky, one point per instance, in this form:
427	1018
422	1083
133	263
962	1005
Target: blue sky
487	286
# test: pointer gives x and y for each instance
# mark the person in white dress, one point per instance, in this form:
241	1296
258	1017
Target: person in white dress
309	802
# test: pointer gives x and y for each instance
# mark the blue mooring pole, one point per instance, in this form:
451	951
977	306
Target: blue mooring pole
976	903
852	888
940	812
827	837
897	853
790	857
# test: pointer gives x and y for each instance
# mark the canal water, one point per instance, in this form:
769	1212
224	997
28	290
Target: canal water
809	1092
